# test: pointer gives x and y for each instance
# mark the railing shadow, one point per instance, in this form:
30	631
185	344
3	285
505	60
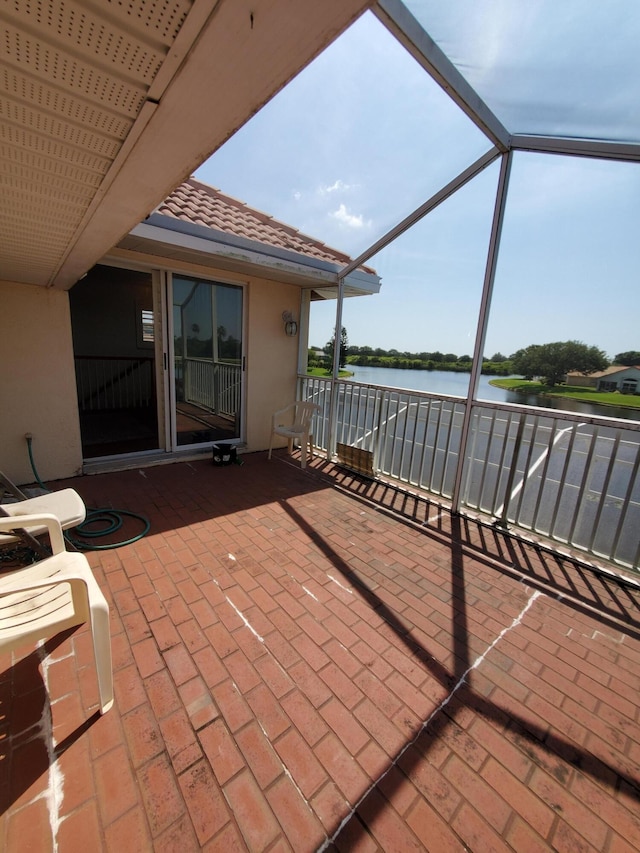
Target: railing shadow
184	494
604	594
547	749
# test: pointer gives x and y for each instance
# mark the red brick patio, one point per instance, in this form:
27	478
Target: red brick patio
304	660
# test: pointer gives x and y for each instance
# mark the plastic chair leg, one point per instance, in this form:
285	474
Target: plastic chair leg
102	653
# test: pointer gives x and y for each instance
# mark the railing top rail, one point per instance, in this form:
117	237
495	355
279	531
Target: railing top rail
389	388
560	414
394	390
555	414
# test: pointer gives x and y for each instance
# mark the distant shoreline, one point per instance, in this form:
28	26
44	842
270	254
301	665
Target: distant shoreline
519	385
584	395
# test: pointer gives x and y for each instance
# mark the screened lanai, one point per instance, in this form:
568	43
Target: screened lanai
483	158
314	659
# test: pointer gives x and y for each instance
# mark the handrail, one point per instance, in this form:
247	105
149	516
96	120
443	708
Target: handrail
571	478
127	381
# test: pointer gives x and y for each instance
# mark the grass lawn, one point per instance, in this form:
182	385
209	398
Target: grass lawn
322	371
589	395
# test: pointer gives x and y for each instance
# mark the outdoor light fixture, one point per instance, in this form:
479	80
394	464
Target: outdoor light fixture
290	325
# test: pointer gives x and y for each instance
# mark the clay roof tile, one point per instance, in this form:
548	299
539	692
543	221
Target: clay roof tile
204	205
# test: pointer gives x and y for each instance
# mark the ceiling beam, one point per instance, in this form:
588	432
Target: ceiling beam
407	29
602	149
436	199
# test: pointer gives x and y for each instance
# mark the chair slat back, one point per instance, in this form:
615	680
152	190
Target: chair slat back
304	413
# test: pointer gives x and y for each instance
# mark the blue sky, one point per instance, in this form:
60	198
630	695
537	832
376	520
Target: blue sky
362	137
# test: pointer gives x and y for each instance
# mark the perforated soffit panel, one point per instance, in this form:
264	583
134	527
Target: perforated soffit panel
75	76
95	100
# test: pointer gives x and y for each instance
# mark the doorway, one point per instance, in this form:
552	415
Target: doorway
112	321
150	379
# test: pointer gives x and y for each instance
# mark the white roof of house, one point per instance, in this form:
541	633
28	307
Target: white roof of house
609	371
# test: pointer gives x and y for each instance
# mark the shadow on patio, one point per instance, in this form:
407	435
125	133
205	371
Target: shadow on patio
309	660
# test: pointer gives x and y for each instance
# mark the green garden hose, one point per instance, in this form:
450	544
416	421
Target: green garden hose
108	520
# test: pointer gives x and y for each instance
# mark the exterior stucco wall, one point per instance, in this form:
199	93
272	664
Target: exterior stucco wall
581	381
37	384
271	357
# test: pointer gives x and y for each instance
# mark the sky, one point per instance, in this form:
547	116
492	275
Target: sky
362	137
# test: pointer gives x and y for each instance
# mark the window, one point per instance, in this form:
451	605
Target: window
146	322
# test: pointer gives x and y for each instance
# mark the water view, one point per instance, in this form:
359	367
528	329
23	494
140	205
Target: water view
457	385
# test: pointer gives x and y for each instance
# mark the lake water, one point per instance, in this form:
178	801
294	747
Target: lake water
457	385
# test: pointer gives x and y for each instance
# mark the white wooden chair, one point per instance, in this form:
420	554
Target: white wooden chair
66	504
294	423
39	601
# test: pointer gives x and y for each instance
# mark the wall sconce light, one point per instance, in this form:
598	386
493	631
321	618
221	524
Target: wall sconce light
290	325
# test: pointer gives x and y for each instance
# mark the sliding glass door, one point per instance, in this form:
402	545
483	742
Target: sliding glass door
207	360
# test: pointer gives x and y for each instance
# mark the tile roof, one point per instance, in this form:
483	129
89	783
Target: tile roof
598	374
201	204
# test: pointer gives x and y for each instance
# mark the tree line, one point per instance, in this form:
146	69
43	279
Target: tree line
548	362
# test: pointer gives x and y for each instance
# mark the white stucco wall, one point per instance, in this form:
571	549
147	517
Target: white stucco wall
37	384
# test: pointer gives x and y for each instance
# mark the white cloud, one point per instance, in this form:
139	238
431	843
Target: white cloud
351	220
336	186
297	195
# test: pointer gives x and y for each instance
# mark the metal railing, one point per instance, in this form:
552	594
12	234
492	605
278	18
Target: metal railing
216	386
105	383
570	478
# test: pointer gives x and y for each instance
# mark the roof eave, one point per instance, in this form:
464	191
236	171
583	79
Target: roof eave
210	242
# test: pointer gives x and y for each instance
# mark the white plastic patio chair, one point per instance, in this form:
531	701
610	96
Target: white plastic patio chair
66	504
294	423
59	592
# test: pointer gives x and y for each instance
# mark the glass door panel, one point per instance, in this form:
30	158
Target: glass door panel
207	360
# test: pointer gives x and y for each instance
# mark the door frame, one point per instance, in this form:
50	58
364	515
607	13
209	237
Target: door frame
168	358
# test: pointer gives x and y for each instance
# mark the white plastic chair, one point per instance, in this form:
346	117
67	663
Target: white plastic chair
294	422
39	601
66	504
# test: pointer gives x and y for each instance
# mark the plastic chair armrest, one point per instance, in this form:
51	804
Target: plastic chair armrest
50	521
71	576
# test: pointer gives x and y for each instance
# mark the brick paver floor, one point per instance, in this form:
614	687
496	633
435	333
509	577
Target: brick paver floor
308	661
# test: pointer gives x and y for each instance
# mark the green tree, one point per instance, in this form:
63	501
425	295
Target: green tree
344	346
551	362
628	359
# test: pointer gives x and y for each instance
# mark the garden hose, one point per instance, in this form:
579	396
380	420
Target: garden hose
109	520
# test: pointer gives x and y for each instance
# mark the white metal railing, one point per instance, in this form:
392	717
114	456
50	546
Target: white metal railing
571	478
229	388
215	386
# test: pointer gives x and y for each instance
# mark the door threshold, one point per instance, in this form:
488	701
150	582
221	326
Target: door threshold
126	462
